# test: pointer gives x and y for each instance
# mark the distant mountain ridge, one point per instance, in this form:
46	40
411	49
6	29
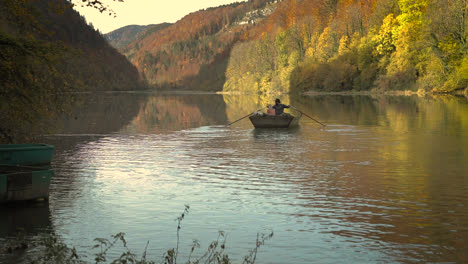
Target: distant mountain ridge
123	36
193	52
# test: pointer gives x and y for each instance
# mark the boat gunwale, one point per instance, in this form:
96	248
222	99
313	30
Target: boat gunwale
293	120
24	147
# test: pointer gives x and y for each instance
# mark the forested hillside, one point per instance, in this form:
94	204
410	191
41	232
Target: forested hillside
340	45
121	37
193	52
46	51
322	45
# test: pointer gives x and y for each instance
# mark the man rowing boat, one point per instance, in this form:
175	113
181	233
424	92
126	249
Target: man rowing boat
279	107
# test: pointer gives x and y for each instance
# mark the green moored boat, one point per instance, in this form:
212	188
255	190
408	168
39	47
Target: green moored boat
22	184
25	171
26	154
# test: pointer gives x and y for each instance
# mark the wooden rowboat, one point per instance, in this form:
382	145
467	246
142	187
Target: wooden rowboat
261	120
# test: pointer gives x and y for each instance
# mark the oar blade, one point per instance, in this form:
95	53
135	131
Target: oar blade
245	117
307	115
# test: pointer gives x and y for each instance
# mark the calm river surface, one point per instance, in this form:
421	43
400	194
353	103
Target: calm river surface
386	181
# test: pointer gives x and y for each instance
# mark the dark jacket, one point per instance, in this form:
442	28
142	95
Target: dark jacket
279	108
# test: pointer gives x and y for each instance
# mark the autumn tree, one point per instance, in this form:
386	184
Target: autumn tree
448	26
406	63
327	45
386	36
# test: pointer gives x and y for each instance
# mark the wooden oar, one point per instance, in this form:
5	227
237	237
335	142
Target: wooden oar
306	115
244	117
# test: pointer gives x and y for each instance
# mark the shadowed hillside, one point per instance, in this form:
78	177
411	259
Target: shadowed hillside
46	51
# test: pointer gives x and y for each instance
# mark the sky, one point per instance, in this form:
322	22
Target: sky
144	12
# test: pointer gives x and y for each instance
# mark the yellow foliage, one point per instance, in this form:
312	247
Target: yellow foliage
457	80
405	57
387	35
463	69
312	49
326	46
434	75
449	46
344	45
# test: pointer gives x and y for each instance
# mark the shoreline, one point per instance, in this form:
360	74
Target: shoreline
420	93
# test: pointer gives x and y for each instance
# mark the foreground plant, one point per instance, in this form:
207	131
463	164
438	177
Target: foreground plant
51	249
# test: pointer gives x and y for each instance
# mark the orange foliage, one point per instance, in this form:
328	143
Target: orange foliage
171	55
175	55
349	15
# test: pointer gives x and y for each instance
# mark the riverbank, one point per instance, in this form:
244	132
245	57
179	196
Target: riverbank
420	93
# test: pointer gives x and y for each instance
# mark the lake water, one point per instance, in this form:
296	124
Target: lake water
386	181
